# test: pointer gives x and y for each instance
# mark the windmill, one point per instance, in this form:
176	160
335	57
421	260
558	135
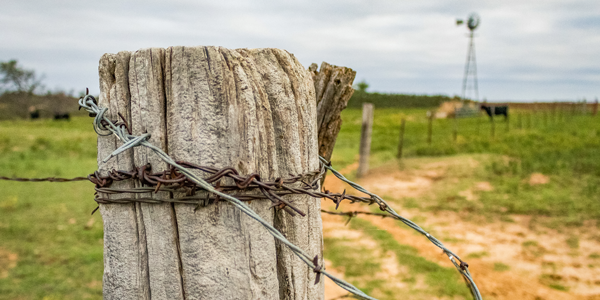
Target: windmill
471	64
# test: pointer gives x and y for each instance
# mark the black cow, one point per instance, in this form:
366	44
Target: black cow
34	114
496	110
59	116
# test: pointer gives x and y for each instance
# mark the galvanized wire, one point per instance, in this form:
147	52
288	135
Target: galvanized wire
461	266
104	127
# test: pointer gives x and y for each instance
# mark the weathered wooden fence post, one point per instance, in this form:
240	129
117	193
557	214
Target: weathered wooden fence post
477	122
401	141
251	109
430	116
365	139
493	125
333	90
455	127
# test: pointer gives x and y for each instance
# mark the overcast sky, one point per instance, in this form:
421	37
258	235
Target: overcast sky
526	50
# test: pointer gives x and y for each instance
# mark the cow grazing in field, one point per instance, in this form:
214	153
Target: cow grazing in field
34	113
496	110
59	116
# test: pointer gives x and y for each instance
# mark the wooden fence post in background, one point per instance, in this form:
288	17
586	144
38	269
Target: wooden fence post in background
561	112
401	142
455	128
492	126
251	109
429	125
365	139
477	122
595	107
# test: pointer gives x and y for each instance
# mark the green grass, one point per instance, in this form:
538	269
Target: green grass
564	147
561	146
501	267
479	254
48	224
553	281
59	257
573	242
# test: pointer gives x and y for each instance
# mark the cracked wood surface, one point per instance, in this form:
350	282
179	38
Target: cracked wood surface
333	90
252	109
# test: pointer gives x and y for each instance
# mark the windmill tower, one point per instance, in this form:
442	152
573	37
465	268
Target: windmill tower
471	64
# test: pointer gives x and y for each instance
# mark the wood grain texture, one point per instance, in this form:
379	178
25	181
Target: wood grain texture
333	90
146	87
213	120
291	96
125	266
252	109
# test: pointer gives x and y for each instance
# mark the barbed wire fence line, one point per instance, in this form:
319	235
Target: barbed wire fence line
169	181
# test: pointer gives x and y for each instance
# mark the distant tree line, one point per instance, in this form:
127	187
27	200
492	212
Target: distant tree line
22	95
381	100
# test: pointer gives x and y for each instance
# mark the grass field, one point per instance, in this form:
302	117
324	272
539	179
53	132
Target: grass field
51	248
46	228
563	147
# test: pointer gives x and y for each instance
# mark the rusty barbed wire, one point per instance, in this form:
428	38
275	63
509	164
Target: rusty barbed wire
104	127
180	177
173	182
46	179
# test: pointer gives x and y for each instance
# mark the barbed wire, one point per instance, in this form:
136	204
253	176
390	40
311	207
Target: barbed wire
104	127
352	214
271	190
171	181
47	179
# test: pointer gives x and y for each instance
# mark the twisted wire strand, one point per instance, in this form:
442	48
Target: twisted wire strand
47	179
462	267
104	127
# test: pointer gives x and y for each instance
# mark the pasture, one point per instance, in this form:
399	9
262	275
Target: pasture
463	191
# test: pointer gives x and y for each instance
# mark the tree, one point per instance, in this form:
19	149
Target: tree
14	78
362	86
